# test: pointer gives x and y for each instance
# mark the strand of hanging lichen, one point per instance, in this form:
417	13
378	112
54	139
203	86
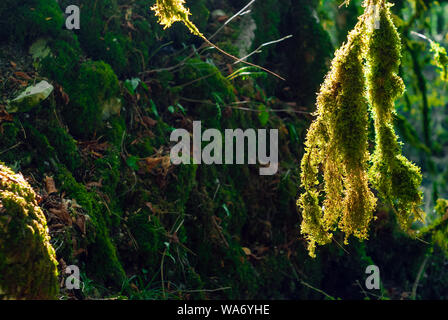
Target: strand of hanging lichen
337	141
171	11
394	176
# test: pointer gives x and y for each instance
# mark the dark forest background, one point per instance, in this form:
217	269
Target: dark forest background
97	149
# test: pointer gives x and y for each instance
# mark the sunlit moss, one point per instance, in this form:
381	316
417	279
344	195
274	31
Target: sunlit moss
394	176
28	267
171	11
337	141
440	59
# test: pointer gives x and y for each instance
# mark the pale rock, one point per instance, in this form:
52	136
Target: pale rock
111	107
31	97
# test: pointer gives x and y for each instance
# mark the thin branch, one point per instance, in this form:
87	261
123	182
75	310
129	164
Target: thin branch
242	61
419	275
206	290
368	293
340	245
180	64
264	45
231	105
241	12
317	290
10	148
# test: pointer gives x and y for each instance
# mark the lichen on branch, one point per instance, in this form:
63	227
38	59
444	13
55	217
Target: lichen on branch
171	11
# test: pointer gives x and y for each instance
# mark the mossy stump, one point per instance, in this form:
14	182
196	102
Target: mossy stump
28	267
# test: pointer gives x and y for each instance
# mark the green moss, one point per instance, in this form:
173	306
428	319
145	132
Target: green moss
308	53
28	266
115	50
200	13
440	59
9	139
239	273
144	148
95	84
65	54
45	153
437	231
65	146
108	168
103	37
186	180
9	134
337	139
103	262
114	129
267	15
149	235
30	19
395	177
206	80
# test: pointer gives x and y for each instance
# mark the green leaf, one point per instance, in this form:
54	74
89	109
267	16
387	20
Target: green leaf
132	162
144	86
224	206
132	84
293	133
181	108
263	116
153	108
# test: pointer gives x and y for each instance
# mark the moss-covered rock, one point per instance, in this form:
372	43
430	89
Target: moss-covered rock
103	263
28	266
96	84
30	19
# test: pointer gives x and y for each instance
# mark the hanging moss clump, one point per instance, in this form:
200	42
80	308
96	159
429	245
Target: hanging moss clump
337	141
440	59
28	267
395	177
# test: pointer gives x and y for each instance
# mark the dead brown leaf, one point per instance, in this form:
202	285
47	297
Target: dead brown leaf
149	121
223	18
150	206
4	115
65	99
98	184
151	163
22	75
50	186
81	223
79	251
62	214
